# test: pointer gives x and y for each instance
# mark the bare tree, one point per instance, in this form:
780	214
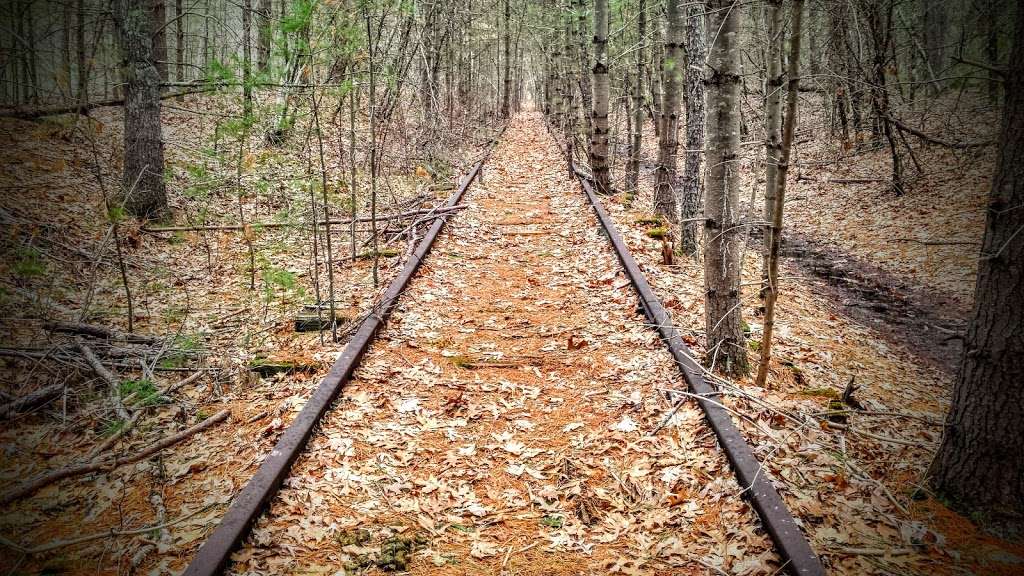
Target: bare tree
599	142
507	81
771	291
633	163
772	124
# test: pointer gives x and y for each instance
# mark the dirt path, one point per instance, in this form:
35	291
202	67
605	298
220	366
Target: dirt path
502	419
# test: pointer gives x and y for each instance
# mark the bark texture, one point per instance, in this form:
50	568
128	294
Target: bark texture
696	51
637	123
672	66
774	233
599	145
507	82
726	345
980	463
158	15
144	193
772	125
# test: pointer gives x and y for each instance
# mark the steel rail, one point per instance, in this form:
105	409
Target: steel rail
790	542
245	508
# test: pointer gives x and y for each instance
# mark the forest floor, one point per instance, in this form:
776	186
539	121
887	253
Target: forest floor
503	420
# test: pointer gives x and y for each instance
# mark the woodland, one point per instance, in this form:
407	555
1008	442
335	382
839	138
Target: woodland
696	287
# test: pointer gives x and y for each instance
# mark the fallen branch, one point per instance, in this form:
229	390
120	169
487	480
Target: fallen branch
39	482
31	400
81	108
101	332
112	380
888	439
934	140
97	536
856	180
257	225
113	438
938	242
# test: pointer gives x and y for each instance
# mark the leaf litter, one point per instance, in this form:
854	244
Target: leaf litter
545	465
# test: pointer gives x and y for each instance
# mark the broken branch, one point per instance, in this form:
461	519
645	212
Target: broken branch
39	482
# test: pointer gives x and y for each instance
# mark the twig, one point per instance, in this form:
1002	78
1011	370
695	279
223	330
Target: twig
107	465
110	441
838	426
97	536
103	332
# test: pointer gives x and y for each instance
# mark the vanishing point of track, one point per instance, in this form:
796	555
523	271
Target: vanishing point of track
789	541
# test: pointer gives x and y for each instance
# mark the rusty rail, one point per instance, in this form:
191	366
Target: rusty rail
790	542
215	553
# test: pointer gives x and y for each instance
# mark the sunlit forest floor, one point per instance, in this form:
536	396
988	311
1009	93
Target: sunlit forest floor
486	463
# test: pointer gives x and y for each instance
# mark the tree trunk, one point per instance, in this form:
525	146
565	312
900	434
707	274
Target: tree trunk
633	164
813	54
247	58
599	143
934	27
726	345
991	15
264	35
32	54
771	290
980	463
672	69
158	23
772	126
507	82
65	51
696	50
880	28
144	193
837	62
586	92
179	40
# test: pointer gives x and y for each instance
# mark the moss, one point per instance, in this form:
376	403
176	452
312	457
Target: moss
552	521
657	233
649	221
820	393
266	367
385	253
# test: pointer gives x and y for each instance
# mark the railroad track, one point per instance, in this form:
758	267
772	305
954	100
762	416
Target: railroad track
789	542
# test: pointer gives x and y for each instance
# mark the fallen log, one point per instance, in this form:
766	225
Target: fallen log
111	379
100	332
32	400
39	482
